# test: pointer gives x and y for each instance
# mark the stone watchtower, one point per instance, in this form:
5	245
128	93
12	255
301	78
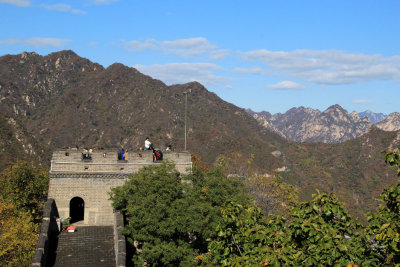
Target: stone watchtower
80	186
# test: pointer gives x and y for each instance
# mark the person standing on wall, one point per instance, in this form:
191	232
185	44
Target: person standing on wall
147	144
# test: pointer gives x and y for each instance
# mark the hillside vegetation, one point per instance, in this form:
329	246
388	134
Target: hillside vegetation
61	100
208	221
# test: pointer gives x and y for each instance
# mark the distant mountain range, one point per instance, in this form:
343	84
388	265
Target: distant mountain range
59	100
373	117
334	125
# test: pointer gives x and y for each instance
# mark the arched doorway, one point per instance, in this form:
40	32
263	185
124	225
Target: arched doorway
76	209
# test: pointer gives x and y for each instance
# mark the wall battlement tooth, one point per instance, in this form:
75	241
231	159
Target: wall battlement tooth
106	161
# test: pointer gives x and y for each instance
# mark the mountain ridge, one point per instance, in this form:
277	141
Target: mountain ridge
63	100
77	102
333	125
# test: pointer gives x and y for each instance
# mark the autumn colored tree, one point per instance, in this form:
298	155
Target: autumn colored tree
271	194
23	191
18	236
25	187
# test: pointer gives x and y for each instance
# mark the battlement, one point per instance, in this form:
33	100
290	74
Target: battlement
106	161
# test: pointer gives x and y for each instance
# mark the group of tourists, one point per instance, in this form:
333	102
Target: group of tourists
157	154
123	155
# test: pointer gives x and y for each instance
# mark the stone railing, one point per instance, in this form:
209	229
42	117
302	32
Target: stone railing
119	240
48	231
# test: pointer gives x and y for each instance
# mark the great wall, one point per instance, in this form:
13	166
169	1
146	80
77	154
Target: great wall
79	188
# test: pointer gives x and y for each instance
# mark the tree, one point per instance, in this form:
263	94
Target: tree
393	158
384	225
23	191
271	194
322	232
169	217
18	236
244	238
319	232
25	187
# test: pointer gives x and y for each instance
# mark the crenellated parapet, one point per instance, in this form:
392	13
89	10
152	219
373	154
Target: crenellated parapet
107	162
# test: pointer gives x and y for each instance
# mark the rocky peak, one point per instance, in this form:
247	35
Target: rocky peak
335	110
27	55
354	116
302	124
391	123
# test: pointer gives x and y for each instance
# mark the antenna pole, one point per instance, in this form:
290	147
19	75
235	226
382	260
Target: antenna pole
185	117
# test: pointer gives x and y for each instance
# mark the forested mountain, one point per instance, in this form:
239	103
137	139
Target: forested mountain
17	144
63	100
354	170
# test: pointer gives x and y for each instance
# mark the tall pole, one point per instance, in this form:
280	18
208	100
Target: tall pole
185	117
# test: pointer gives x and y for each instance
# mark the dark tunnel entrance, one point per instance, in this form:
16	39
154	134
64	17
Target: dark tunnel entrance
76	209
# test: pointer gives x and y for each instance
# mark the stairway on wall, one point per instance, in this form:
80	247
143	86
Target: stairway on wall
88	246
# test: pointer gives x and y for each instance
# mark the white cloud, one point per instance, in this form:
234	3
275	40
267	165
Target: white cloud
190	43
103	2
219	54
93	44
228	87
328	66
191	47
173	73
253	70
363	101
37	42
21	3
286	85
141	46
63	8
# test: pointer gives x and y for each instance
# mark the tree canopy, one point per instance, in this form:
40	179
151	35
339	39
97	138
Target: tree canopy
207	219
171	217
23	191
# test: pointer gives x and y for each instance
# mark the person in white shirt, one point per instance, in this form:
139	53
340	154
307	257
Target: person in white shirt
147	144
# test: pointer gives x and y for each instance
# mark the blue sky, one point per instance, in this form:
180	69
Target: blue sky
263	55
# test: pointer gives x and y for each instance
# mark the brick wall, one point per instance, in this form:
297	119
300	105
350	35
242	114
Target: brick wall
92	180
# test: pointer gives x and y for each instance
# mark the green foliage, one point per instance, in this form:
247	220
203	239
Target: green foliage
323	232
393	158
320	232
25	187
384	225
244	238
170	218
206	219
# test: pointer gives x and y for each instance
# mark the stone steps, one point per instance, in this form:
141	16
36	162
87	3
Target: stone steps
88	246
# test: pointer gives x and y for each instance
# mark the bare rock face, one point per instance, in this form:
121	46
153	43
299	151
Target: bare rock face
373	117
391	123
334	125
